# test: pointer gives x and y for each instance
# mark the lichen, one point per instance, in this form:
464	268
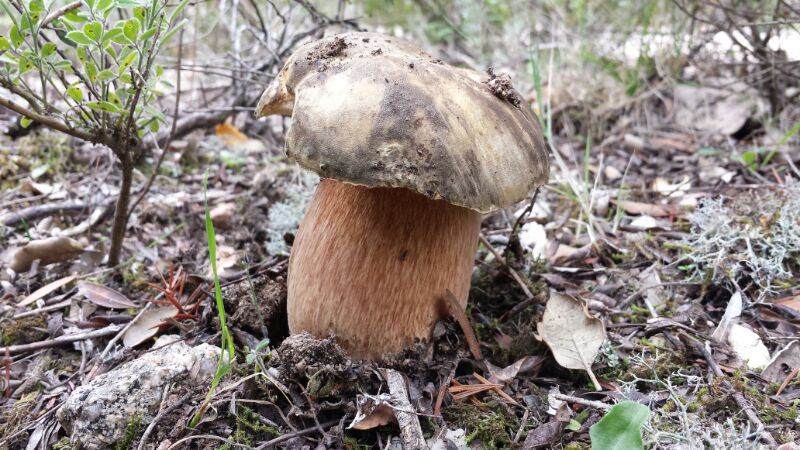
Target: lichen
285	216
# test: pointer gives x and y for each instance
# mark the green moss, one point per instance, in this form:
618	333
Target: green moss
576	446
248	427
63	444
132	431
24	331
493	424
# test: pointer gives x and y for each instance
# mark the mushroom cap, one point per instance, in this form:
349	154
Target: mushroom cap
375	111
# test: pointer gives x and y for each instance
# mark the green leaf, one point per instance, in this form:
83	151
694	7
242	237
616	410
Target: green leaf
89	3
93	30
110	34
140	13
105	106
79	37
148	34
131	29
171	33
48	49
74	16
177	10
25	122
4	44
75	93
113	98
82	55
24	64
125	78
103	5
105	75
123	66
621	428
63	65
36	6
110	50
91	70
750	158
15	36
131	3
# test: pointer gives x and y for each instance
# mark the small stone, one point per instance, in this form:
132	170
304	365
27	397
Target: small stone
97	414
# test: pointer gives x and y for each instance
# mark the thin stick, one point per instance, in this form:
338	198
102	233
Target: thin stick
581	401
457	312
511	270
61	340
160	415
407	420
114	340
287	436
60	12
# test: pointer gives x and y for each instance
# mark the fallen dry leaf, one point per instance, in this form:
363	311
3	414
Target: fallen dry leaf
372	412
521	366
146	326
790	302
47	251
46	289
104	296
748	346
572	334
649	209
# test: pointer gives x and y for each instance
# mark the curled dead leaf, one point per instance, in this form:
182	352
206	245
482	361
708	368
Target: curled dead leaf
372	412
47	251
146	325
104	296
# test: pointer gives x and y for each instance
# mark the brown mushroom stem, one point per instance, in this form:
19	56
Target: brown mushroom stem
372	266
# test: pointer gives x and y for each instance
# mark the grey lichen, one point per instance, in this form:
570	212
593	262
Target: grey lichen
757	235
285	216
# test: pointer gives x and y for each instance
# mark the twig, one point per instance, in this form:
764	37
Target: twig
627	301
35	212
581	401
457	312
410	429
285	437
61	340
511	270
114	340
60	12
53	123
158	417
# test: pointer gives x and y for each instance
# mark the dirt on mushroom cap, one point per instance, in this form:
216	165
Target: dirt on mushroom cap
376	111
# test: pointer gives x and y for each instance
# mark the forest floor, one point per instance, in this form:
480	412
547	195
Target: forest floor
678	235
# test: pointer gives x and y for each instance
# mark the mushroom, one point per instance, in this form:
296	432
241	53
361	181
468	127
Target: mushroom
412	152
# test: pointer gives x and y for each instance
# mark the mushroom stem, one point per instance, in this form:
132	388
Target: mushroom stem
372	266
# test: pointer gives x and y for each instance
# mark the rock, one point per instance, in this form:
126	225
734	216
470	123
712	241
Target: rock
98	413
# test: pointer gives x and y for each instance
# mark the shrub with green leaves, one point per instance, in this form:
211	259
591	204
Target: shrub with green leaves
88	69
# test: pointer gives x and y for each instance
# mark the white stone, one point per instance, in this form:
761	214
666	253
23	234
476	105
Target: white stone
96	414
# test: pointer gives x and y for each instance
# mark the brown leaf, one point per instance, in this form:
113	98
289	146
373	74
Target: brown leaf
146	326
372	412
649	209
522	366
46	289
104	296
47	251
544	435
572	334
790	302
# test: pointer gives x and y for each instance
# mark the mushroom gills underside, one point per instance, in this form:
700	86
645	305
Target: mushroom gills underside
371	266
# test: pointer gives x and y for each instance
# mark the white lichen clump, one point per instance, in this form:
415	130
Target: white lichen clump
756	236
285	216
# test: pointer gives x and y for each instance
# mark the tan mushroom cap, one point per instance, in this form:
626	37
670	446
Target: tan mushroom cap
375	111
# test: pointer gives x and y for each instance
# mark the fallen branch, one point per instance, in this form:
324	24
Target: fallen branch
410	429
37	212
61	340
